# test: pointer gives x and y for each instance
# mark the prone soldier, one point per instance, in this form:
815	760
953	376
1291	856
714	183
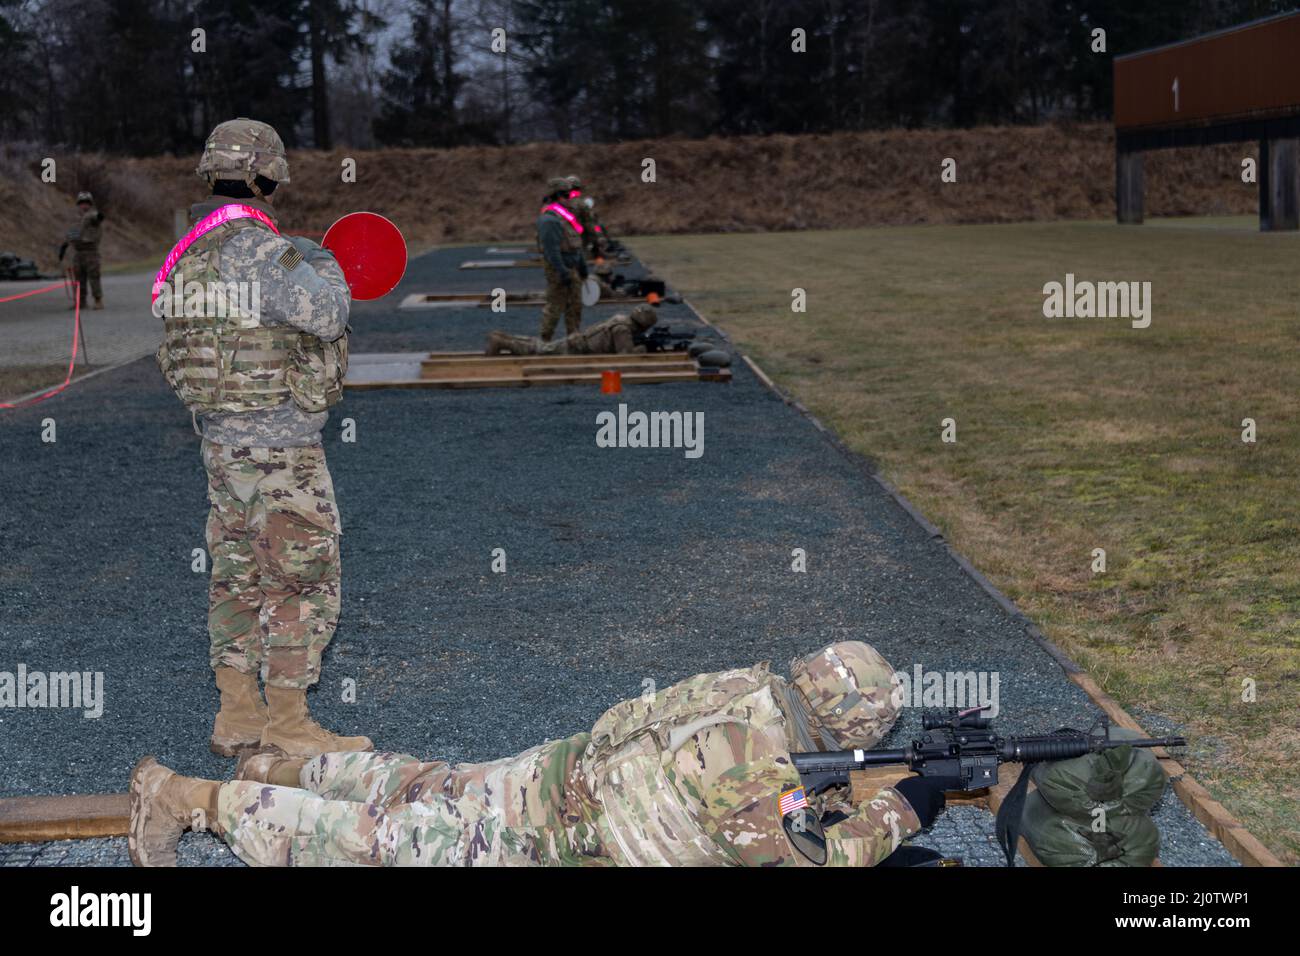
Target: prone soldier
614	336
260	381
697	774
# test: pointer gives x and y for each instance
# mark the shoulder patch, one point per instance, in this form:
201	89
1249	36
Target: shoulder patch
291	258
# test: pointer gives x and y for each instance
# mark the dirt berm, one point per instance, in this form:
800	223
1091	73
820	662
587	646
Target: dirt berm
713	185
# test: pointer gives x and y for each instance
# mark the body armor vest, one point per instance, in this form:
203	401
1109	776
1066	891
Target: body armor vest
646	821
224	360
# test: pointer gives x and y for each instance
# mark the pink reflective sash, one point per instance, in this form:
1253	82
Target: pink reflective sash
564	214
217	217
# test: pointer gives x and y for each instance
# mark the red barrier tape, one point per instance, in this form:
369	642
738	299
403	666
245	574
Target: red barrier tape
76	335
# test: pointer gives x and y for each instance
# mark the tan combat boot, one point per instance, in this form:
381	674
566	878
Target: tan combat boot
292	730
163	806
243	713
496	344
271	766
99	303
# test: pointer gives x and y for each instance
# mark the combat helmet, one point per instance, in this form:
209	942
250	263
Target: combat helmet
644	316
558	184
243	149
574	182
848	691
85	196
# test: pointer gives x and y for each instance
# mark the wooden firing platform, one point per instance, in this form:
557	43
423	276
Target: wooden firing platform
464	300
475	370
525	262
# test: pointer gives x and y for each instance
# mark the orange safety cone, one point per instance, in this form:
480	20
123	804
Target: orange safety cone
611	382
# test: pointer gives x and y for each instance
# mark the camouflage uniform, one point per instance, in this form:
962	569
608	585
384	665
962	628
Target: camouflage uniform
260	377
564	266
614	336
691	775
85	255
273	528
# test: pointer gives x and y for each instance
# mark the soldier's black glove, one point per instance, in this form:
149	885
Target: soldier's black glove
925	795
564	279
582	268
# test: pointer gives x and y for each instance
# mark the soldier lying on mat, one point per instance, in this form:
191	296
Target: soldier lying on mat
614	336
697	774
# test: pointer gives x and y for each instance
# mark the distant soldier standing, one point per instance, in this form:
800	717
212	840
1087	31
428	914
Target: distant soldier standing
614	336
559	236
260	380
84	239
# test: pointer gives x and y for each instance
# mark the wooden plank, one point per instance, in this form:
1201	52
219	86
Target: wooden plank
610	359
502	264
37	819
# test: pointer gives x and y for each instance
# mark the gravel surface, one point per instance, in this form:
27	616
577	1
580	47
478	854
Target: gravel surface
623	566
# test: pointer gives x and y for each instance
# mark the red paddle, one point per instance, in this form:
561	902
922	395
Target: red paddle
370	250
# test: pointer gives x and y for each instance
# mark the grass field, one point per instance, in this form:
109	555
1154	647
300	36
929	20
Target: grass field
1072	435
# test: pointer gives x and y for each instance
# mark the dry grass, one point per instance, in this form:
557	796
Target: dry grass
743	184
19	380
1074	435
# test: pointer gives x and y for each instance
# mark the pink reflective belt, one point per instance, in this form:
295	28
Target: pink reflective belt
564	214
218	217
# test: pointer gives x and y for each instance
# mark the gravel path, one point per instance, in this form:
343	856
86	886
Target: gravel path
623	566
37	330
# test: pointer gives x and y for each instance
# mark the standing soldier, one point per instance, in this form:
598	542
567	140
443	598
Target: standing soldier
697	774
559	236
84	238
582	208
260	380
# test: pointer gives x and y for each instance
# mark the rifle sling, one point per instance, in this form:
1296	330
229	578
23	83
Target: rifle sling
1008	820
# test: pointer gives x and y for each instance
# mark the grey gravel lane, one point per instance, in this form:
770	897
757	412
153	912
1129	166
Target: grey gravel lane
623	566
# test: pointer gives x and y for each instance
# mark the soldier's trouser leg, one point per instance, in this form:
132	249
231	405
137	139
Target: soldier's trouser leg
557	298
573	304
83	276
92	276
387	779
279	505
519	344
283	826
235	591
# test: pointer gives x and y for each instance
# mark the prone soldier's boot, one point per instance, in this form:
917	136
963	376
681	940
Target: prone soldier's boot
292	730
497	344
163	806
271	766
243	713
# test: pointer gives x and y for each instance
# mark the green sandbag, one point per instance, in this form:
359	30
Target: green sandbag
1123	780
1129	839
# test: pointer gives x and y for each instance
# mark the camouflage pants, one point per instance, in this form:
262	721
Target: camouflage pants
385	809
532	345
562	298
273	535
85	266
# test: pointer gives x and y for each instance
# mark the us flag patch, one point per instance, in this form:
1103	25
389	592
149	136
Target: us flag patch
291	258
791	801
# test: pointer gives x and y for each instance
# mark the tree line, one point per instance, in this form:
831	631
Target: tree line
152	76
